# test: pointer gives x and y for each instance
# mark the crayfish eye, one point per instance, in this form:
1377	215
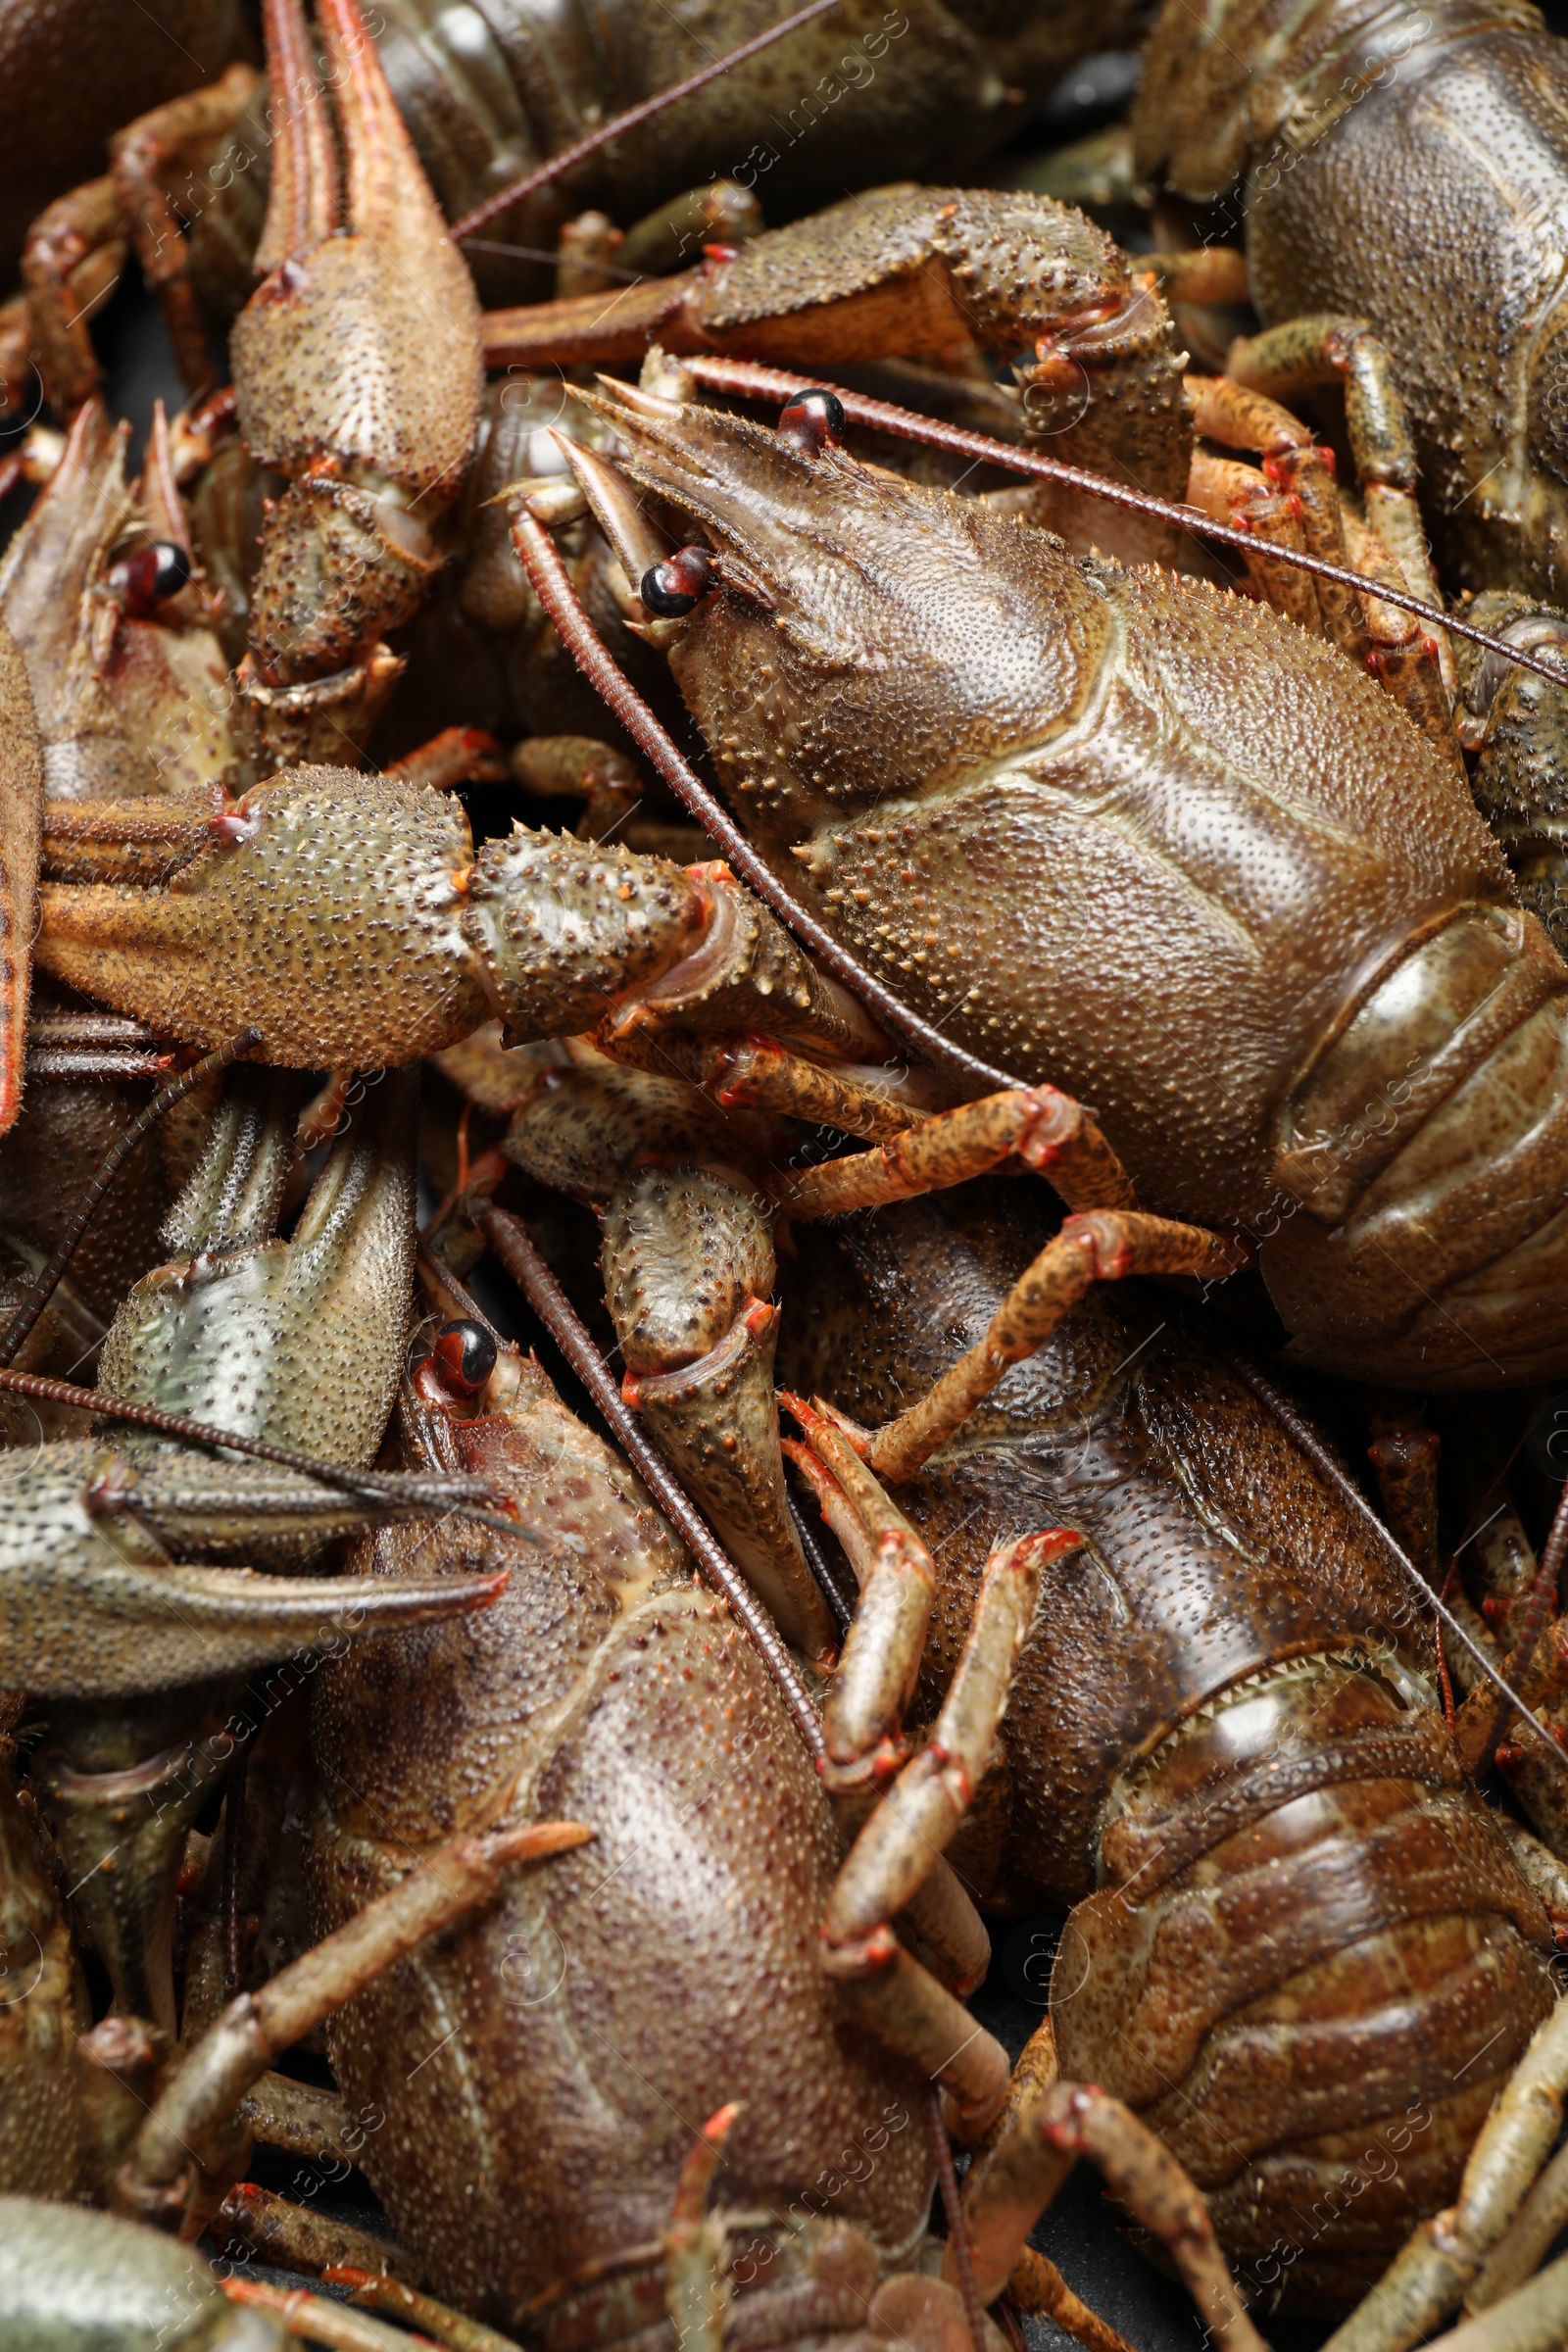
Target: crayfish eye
458	1364
142	579
468	1353
677	585
810	421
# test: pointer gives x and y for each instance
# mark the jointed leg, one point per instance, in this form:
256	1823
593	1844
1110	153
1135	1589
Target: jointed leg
1505	1567
1207	276
301	2118
1541	1869
182	2161
862	1717
697	2286
439	2323
863	1712
1506	1572
1047	1131
253	2223
613	790
457	755
314	2319
1041	2139
1034	2283
1102	1247
1327	349
689	1271
752	1073
131	1812
1426	2281
1523	1632
144	153
1240	495
894	1869
1293	503
604	779
921	1811
1533	2319
1514	2257
73	258
897	1851
1238	417
1398	651
1404	656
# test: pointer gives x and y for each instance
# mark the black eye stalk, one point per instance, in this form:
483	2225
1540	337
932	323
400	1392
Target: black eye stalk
811	421
148	575
675	587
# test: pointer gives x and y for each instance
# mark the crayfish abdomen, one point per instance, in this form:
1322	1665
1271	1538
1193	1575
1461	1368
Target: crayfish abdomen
1311	1965
1299	1947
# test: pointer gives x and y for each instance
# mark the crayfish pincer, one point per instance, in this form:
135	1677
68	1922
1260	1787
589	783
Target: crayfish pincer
112	1608
1130	833
357	373
351	918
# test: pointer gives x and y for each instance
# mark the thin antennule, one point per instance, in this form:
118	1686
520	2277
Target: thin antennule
555	591
754	381
43	1288
513	1245
436	1497
437	1276
619	125
953	2209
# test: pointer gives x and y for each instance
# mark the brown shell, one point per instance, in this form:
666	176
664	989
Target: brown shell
543	2074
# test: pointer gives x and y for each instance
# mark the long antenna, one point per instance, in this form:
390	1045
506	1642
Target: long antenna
754	381
45	1283
514	1246
434	1495
582	641
619	125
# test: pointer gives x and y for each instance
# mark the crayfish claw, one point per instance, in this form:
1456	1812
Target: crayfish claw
303	203
371	413
80	1619
297	1340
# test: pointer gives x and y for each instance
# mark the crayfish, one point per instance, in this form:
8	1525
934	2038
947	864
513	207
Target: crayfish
628	1831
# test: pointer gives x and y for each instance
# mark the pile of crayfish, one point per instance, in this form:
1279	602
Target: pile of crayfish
784	1176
